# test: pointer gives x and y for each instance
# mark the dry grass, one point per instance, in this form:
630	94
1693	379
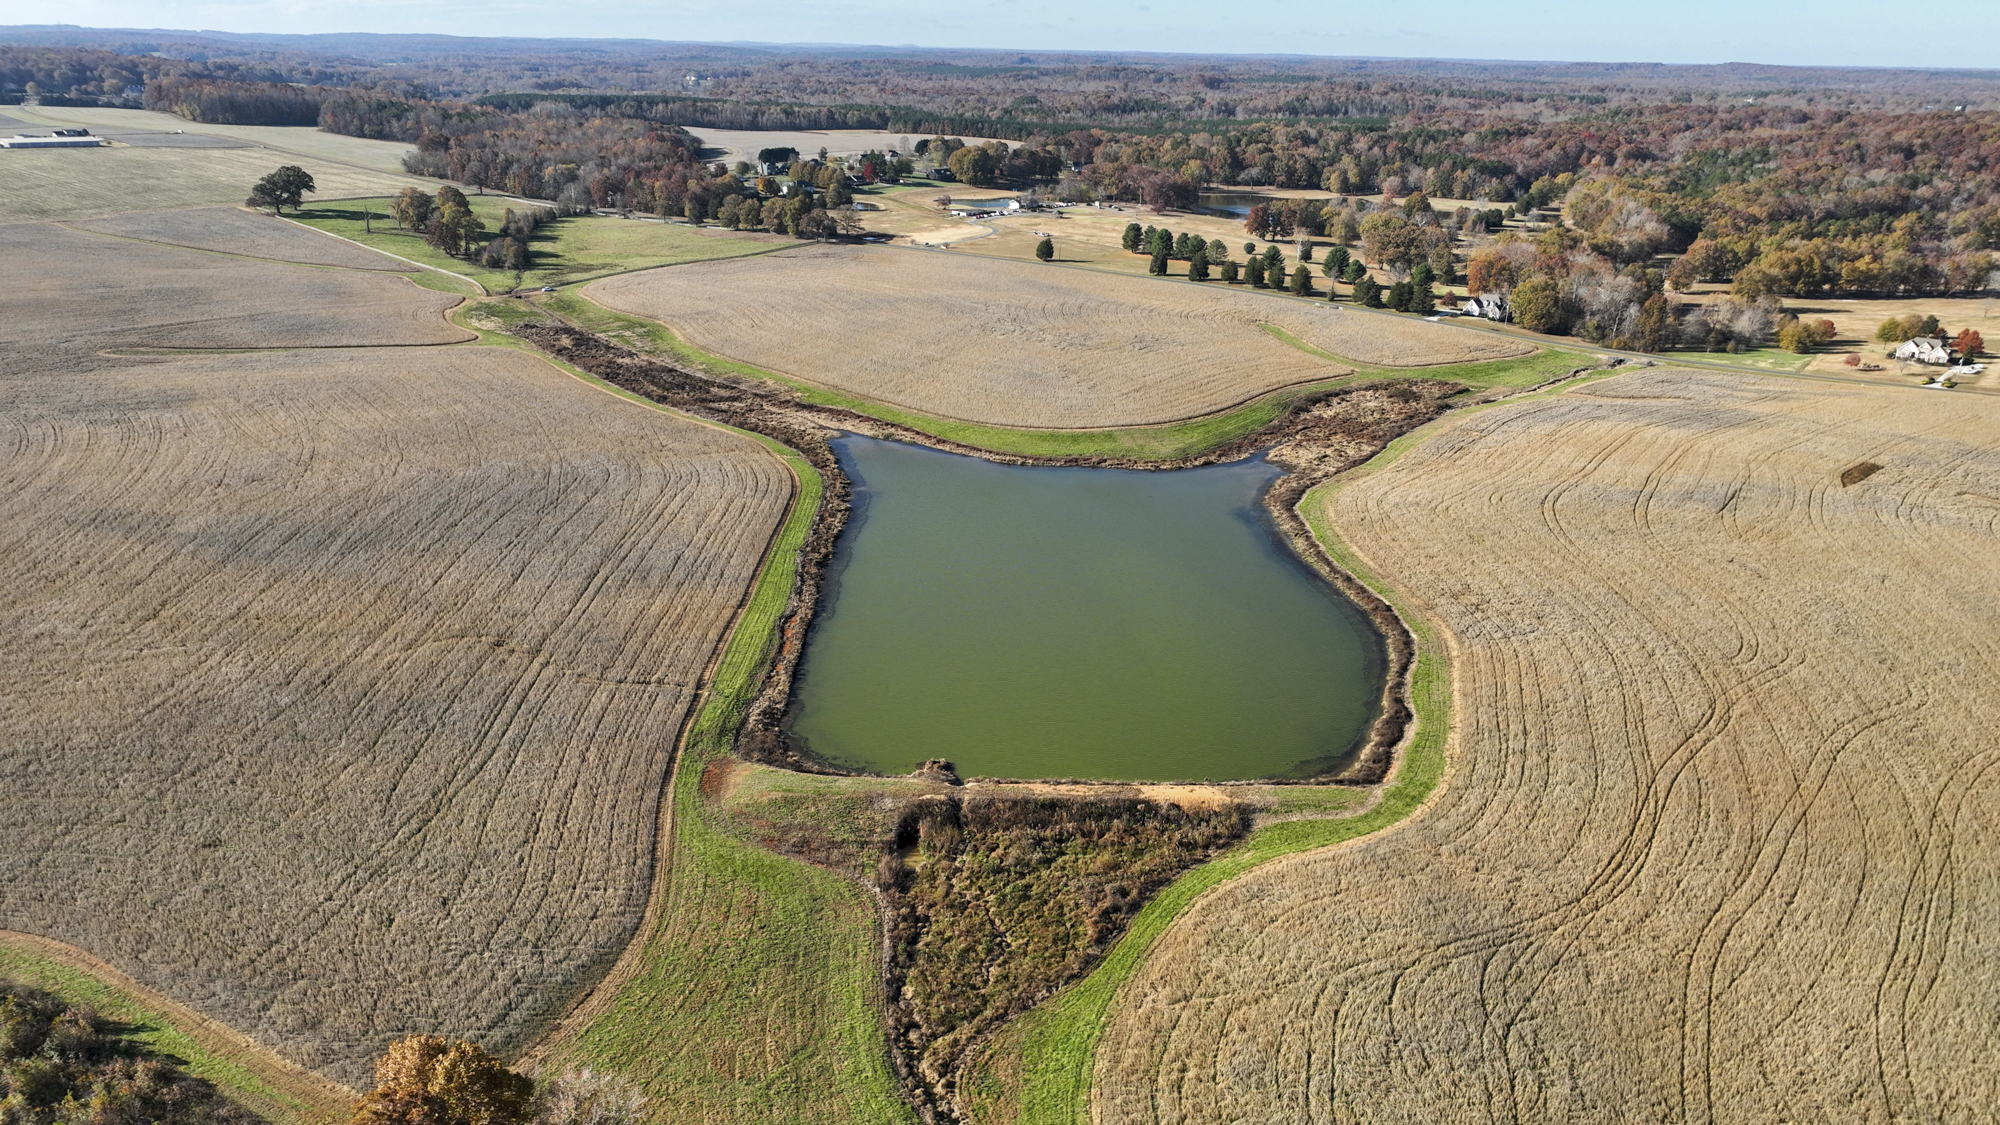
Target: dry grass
84	183
1719	840
341	685
78	293
1396	341
138	126
233	230
1016	345
154	170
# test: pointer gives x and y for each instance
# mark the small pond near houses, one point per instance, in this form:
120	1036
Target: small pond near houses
1080	623
1234	204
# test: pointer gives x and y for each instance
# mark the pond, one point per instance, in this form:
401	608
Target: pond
1077	623
1228	203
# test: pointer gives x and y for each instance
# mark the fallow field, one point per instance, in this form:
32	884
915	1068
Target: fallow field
342	681
146	295
1015	344
150	167
250	234
1715	844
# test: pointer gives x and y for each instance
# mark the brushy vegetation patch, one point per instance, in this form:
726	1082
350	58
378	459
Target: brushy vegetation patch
63	1064
251	1081
996	903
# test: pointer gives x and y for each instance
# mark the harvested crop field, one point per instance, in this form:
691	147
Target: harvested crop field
1398	341
136	126
78	293
1720	835
1015	344
233	230
81	183
341	685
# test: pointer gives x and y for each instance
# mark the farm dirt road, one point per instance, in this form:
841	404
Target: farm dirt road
1719	838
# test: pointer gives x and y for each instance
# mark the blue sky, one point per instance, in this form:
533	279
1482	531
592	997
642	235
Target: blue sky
1825	32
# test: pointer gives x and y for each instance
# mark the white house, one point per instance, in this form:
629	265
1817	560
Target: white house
1492	306
1925	349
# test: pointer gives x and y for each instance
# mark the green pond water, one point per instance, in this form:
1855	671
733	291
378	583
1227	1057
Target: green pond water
1081	623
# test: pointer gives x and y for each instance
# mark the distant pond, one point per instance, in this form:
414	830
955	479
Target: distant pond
1085	623
1228	203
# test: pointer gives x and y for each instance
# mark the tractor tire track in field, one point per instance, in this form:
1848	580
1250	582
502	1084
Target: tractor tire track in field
343	684
1721	840
1015	344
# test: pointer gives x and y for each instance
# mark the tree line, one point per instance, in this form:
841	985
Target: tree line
237	103
1210	259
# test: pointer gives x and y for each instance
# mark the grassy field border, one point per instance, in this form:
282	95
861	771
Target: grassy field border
1058	1040
1159	442
1546	361
246	1073
553	244
861	1080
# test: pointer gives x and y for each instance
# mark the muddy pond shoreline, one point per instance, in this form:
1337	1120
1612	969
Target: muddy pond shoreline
1318	436
1030	621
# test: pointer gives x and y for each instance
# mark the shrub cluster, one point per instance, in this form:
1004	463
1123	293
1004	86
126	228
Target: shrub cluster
66	1065
998	902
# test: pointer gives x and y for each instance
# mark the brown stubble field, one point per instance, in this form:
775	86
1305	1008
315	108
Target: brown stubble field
1015	344
342	682
237	230
1718	839
76	293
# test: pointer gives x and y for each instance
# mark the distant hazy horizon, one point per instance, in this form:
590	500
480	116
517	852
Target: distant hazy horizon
1832	33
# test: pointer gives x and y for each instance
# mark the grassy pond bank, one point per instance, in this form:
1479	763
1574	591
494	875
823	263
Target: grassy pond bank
1078	623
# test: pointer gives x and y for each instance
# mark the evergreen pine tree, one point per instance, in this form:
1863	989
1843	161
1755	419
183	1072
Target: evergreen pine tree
1422	299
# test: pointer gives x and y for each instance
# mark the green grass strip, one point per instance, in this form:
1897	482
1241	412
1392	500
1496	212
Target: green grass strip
1538	366
154	1033
757	998
1059	1039
569	250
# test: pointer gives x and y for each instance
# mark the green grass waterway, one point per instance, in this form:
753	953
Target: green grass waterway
1080	623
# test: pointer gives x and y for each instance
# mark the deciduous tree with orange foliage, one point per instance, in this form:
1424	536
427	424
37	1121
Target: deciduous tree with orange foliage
431	1080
